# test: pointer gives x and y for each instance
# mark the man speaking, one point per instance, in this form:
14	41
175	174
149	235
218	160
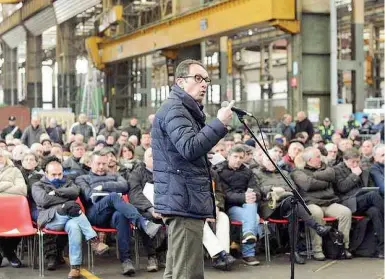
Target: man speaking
183	190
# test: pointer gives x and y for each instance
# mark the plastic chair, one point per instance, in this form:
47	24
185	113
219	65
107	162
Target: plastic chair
16	220
43	231
358	218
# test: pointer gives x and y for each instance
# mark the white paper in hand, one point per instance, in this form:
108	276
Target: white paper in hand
148	192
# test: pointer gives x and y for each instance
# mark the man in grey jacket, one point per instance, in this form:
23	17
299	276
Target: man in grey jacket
315	183
33	132
55	198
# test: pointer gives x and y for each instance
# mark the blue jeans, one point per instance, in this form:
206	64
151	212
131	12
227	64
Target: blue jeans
112	211
247	214
75	227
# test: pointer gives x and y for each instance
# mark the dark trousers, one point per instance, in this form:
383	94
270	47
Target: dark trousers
8	246
185	248
372	204
112	211
157	244
284	211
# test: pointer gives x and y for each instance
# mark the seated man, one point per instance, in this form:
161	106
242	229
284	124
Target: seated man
72	167
139	178
101	193
377	169
218	244
349	182
241	196
55	199
315	184
276	199
366	155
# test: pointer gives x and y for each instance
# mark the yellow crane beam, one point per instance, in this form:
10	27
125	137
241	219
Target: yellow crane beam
223	18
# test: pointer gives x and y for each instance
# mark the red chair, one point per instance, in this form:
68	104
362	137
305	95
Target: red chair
16	220
358	218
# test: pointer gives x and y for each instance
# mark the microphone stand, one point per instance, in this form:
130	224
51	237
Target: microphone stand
294	200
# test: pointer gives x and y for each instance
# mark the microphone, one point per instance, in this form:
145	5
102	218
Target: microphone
236	110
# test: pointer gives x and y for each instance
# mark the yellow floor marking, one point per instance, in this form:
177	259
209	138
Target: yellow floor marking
325	266
84	272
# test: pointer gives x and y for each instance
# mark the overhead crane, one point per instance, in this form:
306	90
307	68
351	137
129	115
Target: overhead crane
218	19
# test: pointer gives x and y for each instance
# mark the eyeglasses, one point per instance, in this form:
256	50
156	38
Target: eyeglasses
199	78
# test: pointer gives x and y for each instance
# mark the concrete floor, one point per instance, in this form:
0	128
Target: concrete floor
109	268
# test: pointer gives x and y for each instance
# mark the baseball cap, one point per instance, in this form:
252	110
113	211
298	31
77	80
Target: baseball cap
12	118
327	119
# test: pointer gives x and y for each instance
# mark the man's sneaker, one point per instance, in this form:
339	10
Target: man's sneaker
230	260
99	247
250	260
348	255
219	263
319	256
298	258
75	272
51	263
323	230
14	261
128	268
152	265
249	238
151	229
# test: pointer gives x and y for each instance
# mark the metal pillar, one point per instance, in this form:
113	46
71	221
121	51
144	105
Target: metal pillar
66	58
9	74
33	71
309	86
223	69
358	86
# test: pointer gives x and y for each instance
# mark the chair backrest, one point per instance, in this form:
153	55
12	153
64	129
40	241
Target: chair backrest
14	214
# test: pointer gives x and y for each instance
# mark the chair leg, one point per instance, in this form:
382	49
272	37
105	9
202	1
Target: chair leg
41	254
308	242
136	241
89	255
117	247
33	252
29	250
267	243
20	249
278	236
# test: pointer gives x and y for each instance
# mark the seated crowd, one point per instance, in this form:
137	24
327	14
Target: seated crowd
105	180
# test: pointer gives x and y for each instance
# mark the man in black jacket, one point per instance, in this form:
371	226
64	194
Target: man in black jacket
101	193
241	196
140	179
350	180
304	125
11	129
55	198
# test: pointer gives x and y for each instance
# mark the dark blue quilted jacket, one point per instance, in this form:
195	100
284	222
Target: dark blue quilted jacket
180	143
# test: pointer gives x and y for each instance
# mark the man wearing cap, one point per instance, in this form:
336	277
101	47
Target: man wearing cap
11	129
326	130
